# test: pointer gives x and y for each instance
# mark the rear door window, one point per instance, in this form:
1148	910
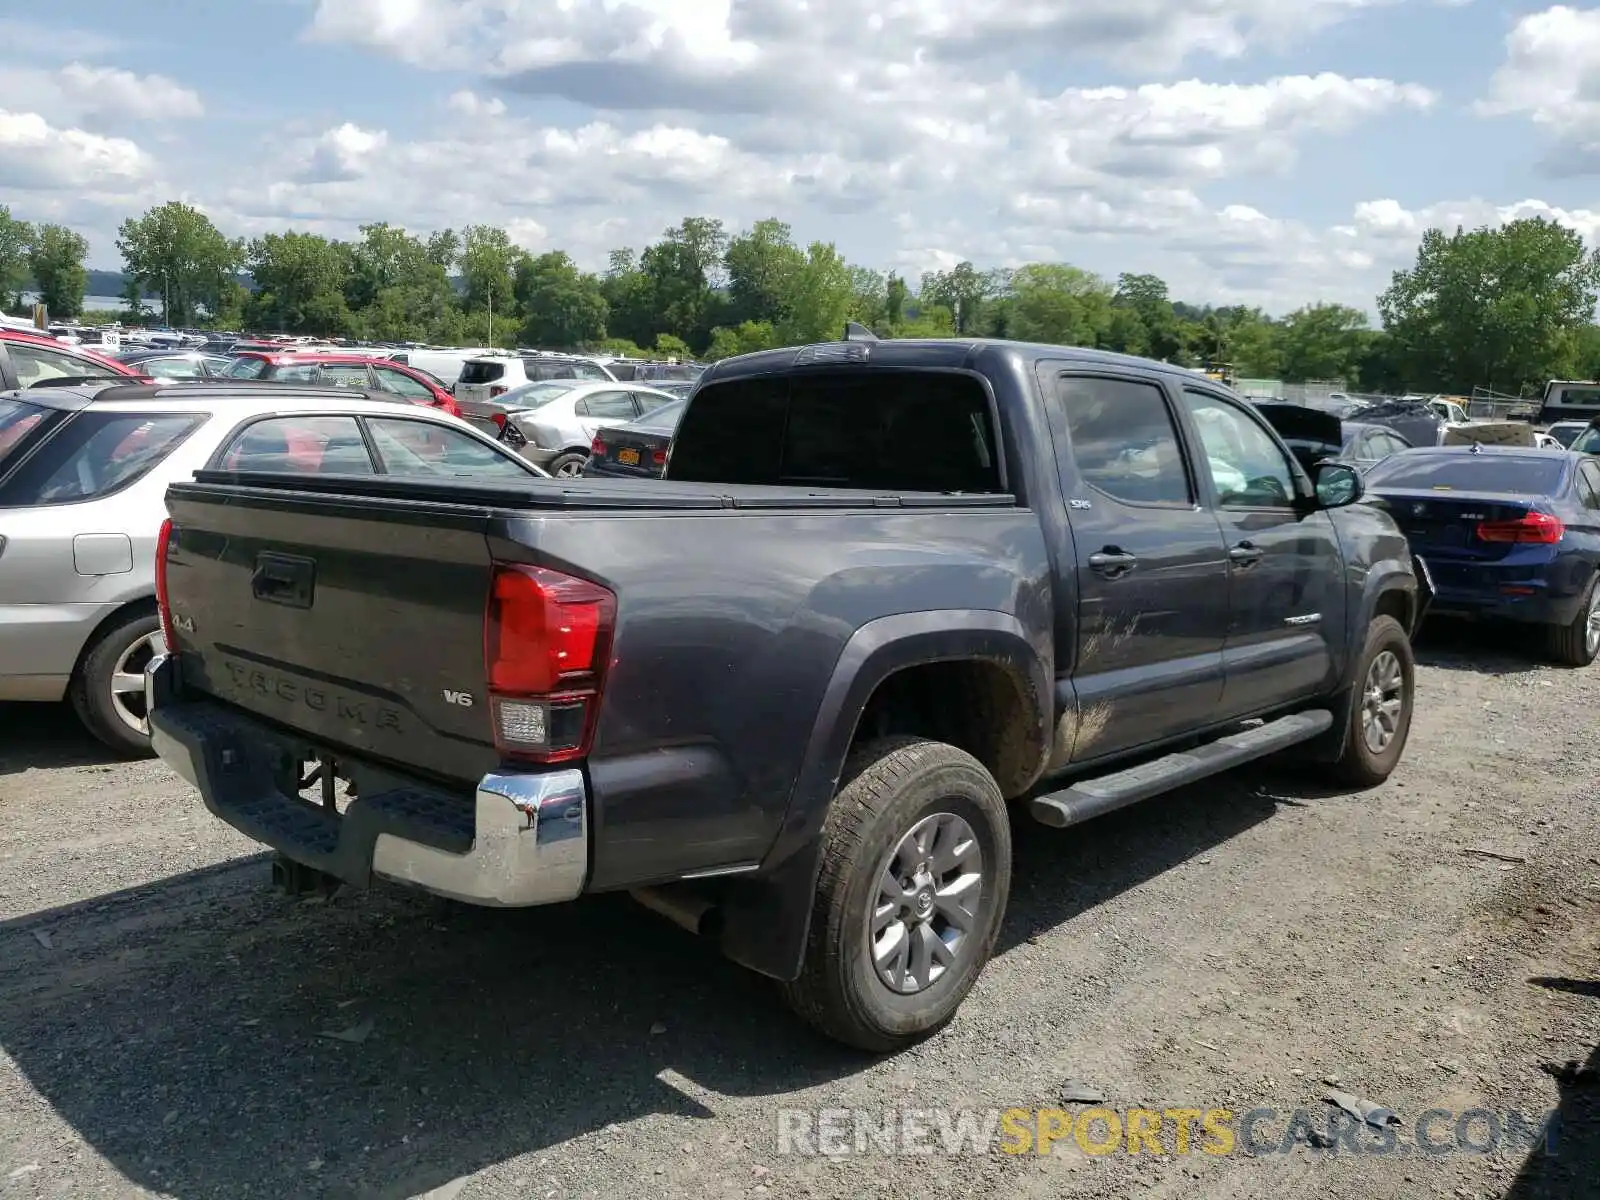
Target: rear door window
299	445
246	368
421	448
617	406
352	375
95	454
401	384
1124	441
294	373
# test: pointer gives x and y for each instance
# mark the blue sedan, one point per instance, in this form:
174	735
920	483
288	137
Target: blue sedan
1508	534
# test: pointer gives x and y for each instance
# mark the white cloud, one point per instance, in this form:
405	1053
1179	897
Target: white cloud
342	155
1551	75
104	98
110	92
36	155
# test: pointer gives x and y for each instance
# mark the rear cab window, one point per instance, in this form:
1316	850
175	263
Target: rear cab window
913	431
1493	474
91	455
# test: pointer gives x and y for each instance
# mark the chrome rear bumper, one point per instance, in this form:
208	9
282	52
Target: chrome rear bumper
523	840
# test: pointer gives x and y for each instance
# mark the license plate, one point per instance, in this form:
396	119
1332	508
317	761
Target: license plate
628	458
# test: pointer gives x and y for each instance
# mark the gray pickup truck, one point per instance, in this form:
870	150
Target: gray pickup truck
890	596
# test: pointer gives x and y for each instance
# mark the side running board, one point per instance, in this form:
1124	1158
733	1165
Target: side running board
1092	797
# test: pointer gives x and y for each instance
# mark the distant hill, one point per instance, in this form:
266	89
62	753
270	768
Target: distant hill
111	283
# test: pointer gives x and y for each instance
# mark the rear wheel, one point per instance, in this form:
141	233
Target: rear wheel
1577	644
915	873
567	466
1380	706
108	689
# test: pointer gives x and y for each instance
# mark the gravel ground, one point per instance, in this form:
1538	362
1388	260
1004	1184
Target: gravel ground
163	1011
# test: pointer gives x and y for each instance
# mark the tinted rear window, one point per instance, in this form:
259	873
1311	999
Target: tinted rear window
883	431
95	454
482	372
1507	474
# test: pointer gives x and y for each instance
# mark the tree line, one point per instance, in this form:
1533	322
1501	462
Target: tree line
1505	308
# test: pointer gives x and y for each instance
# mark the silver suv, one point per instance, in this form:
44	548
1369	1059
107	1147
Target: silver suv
83	478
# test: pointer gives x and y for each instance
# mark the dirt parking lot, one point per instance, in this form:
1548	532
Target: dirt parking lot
164	1013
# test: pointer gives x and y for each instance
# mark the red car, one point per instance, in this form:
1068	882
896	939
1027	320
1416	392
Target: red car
29	359
343	370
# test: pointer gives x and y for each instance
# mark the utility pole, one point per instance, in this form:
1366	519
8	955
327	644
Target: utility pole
489	340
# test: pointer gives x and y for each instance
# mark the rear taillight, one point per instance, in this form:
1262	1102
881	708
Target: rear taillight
1535	527
497	390
163	604
597	448
499	421
658	458
546	646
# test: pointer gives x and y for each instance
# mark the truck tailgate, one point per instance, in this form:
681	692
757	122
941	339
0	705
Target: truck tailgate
355	623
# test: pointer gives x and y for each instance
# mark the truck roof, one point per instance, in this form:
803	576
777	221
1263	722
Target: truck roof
930	353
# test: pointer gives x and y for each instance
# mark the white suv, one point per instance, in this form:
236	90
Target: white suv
490	375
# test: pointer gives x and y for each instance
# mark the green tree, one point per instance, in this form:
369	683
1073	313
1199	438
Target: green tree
747	338
962	290
895	293
55	257
397	287
176	250
1323	341
15	238
675	290
1159	332
761	266
822	296
668	346
1060	304
1492	307
488	260
300	283
562	306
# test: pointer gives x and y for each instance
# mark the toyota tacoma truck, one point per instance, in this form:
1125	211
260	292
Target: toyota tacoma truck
889	597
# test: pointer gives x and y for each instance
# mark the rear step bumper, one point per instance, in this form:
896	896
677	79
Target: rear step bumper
523	841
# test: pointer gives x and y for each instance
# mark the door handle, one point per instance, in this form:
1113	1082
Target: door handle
284	579
1245	554
1112	563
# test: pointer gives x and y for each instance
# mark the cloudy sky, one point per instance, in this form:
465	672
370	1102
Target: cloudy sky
1261	151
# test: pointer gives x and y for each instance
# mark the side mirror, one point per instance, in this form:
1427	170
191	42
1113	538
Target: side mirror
1338	484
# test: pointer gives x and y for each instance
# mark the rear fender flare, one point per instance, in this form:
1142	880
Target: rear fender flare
765	918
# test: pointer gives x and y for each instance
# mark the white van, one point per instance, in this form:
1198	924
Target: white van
443	365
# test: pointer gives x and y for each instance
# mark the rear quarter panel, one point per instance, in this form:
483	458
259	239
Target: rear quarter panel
730	629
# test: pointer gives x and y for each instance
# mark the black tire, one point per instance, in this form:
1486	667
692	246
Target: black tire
565	461
90	691
888	787
1575	645
1358	763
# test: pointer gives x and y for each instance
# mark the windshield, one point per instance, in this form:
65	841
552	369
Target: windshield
1480	474
1588	441
536	395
